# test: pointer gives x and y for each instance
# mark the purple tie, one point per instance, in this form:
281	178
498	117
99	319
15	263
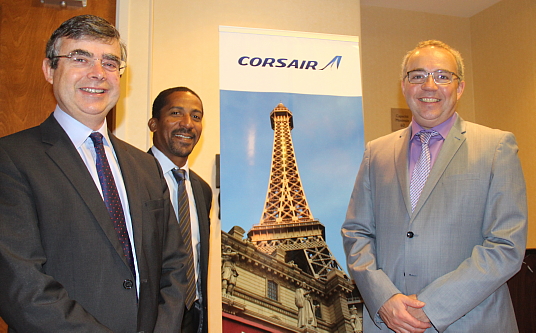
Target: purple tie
186	232
111	199
422	168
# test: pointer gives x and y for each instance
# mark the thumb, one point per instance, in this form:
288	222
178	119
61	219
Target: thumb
414	303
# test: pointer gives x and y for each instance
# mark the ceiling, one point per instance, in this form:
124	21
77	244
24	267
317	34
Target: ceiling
460	8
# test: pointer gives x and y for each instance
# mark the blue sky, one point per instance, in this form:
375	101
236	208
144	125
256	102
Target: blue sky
328	144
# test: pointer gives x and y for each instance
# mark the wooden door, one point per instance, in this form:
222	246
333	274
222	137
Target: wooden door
523	291
26	99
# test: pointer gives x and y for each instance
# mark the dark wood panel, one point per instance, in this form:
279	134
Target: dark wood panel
523	290
26	99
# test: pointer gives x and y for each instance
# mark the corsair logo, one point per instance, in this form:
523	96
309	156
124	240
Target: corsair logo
286	63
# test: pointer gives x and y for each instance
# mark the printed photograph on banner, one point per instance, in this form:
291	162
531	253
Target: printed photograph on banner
287	168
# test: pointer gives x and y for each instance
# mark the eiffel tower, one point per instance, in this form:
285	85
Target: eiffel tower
287	223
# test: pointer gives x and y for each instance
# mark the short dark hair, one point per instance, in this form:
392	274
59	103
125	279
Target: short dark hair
83	26
161	100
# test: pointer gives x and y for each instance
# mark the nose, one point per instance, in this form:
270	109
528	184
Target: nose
96	70
429	84
186	121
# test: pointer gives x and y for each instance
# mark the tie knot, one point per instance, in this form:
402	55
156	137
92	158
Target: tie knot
96	137
179	174
426	135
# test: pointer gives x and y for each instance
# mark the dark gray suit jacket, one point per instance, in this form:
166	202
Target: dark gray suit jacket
203	202
61	264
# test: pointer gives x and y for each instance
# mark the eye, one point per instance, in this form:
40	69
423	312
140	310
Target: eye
80	59
417	75
110	65
443	76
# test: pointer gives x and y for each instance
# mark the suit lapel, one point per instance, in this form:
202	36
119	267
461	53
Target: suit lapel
401	147
202	215
453	142
67	158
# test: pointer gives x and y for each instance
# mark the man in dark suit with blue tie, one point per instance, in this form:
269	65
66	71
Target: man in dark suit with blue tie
176	124
88	238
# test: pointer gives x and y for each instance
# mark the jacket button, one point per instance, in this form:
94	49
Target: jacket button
410	234
128	284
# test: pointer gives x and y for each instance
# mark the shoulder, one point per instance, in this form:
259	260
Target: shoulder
477	132
131	158
194	177
391	138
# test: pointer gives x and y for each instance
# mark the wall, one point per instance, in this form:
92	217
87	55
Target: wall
504	58
499	52
386	35
173	43
176	43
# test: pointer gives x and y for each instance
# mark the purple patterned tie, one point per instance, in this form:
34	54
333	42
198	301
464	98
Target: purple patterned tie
111	199
186	232
422	168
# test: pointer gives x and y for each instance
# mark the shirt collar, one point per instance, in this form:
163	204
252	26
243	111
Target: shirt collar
443	129
166	164
78	132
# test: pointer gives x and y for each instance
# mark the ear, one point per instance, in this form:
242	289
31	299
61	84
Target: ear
48	71
459	90
152	124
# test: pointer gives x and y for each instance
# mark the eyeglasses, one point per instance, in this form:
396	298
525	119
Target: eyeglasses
81	60
440	76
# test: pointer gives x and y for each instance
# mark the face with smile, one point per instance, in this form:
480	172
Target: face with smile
86	94
431	104
179	127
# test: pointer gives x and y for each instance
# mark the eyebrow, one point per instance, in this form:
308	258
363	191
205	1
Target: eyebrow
107	56
182	108
424	70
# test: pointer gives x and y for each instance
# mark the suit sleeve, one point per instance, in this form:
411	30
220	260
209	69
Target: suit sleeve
499	257
31	300
359	240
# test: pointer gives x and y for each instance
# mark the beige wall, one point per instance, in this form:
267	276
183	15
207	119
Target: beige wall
504	58
499	49
386	35
173	43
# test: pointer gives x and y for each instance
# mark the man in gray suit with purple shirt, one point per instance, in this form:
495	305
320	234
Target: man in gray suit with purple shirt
437	220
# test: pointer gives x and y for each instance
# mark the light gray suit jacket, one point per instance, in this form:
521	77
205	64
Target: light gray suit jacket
469	230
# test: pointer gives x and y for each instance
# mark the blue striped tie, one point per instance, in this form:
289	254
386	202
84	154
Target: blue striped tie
186	232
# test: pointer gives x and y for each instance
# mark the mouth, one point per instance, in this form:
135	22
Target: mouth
93	90
184	136
429	100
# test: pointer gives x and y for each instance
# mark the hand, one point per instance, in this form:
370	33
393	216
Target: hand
395	314
418	312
